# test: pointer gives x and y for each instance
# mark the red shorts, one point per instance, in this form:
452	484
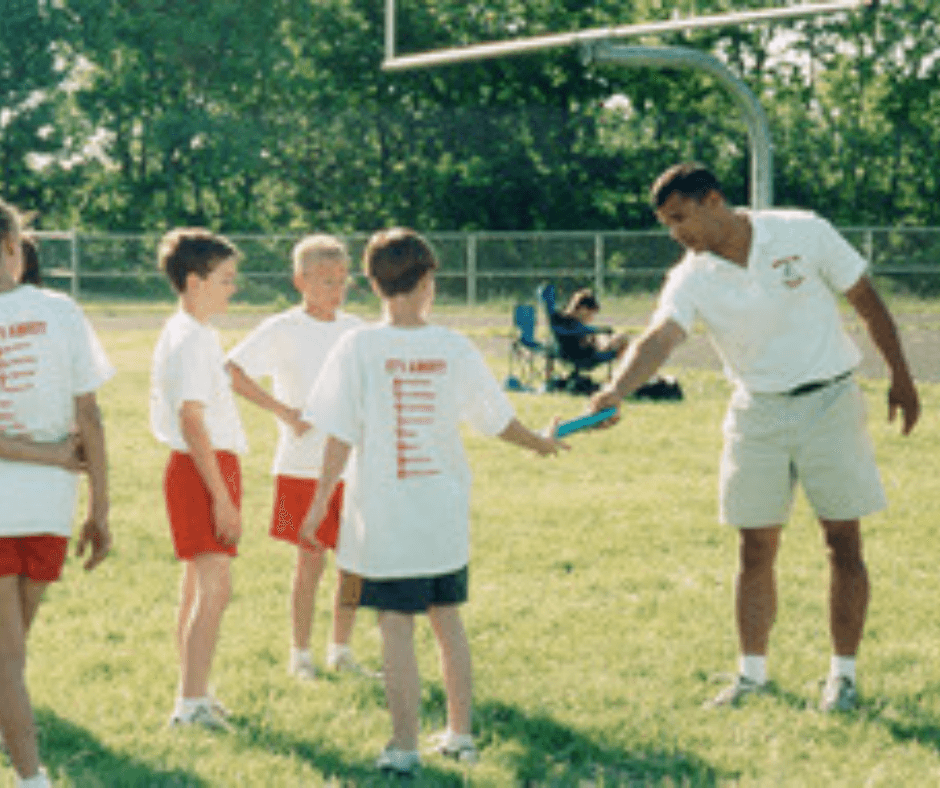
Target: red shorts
292	499
39	558
189	506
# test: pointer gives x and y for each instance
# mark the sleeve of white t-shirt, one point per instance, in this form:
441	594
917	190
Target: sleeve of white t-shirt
675	300
840	264
335	403
256	353
483	403
90	365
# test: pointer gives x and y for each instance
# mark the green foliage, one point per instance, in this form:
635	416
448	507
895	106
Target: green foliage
274	115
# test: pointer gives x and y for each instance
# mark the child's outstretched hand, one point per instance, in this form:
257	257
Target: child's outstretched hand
553	444
544	443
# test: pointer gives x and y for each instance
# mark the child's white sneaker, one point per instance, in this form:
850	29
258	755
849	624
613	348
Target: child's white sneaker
458	746
202	714
339	658
401	762
302	667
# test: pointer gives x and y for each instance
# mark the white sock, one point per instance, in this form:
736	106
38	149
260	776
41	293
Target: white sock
299	655
336	650
754	667
38	780
842	666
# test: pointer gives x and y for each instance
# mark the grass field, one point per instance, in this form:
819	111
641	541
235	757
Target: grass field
600	614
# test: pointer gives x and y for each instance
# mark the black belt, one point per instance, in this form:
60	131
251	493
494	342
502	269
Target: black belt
815	385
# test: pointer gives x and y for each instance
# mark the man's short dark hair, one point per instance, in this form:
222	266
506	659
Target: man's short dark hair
192	250
397	259
689	179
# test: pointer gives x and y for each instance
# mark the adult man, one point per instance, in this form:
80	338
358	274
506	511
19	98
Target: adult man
763	283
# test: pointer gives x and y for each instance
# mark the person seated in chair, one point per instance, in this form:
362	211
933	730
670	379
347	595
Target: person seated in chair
581	342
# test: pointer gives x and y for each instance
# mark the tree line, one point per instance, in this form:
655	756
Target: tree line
274	115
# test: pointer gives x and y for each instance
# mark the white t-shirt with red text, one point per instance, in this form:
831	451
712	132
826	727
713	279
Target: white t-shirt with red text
49	355
398	396
189	366
291	347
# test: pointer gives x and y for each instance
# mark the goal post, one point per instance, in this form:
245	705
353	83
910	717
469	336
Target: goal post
494	49
597	44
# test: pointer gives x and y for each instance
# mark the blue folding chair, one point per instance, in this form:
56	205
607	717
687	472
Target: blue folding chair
530	361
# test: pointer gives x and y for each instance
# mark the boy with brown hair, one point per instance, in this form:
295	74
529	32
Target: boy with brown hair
193	411
290	347
53	365
394	394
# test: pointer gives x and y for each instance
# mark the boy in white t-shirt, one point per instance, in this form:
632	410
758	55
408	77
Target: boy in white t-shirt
290	347
764	284
52	366
193	411
393	395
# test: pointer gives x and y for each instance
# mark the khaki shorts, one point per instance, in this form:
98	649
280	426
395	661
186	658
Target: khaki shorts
819	439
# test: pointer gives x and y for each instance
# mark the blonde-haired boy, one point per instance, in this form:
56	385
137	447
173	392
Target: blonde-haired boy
290	348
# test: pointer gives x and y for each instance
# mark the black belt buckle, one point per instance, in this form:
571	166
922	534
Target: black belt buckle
816	385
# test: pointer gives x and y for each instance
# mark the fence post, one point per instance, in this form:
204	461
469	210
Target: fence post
471	269
869	247
75	264
599	264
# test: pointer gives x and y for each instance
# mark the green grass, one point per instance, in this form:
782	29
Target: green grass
600	612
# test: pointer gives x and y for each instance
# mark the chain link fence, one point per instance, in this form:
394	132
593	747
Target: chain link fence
475	267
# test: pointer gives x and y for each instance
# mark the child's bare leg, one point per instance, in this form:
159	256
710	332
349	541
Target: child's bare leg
402	682
344	616
307	575
187	601
213	591
31	593
16	713
456	665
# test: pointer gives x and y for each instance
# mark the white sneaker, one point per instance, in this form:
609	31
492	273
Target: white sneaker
839	694
401	762
303	668
458	746
203	715
732	695
341	660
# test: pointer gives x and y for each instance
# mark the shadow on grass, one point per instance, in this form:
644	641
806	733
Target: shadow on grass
547	753
335	766
910	718
538	750
71	751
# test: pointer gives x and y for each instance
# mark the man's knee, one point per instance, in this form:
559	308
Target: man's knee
758	549
844	544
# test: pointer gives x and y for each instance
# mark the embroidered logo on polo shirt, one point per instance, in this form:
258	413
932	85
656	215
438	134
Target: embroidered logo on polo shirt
790	274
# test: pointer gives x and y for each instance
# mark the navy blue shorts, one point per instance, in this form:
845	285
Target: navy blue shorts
415	594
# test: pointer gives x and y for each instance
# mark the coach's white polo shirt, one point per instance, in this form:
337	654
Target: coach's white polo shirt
775	323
